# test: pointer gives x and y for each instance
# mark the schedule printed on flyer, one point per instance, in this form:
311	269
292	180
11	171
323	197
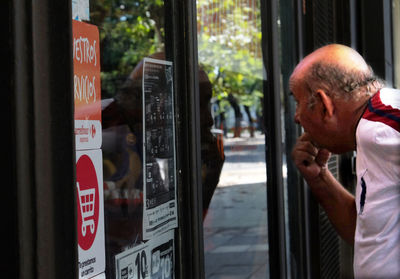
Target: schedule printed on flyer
159	156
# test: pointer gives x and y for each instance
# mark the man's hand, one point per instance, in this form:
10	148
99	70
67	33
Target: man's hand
338	203
309	159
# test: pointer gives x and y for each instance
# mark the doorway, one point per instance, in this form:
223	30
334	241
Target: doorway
235	201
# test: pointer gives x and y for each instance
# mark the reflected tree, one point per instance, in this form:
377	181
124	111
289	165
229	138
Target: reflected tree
229	36
129	31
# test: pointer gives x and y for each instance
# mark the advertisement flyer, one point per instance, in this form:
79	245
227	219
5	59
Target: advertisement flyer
162	256
89	161
151	260
159	158
87	90
90	212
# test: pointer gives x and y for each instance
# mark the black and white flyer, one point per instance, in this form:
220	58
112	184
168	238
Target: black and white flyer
159	156
151	260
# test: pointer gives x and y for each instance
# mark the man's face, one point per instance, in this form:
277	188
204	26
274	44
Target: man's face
309	118
322	134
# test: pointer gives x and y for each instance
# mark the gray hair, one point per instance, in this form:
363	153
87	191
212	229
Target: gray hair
340	83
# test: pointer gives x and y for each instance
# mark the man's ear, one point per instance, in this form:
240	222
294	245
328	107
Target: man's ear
327	103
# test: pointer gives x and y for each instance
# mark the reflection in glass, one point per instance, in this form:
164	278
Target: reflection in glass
130	30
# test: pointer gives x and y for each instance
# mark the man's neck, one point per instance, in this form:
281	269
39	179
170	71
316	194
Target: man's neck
357	115
351	113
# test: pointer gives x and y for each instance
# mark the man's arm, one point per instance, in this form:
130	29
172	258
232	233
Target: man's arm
337	202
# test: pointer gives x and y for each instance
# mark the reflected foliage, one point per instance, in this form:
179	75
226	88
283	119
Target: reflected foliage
230	50
129	31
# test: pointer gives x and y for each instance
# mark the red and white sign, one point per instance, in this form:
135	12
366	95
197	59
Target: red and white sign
90	211
89	161
87	87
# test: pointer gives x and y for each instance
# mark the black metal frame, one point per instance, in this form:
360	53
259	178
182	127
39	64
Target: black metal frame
9	192
272	118
190	255
53	107
290	16
376	39
41	143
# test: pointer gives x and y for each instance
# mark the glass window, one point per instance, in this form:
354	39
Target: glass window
233	152
137	147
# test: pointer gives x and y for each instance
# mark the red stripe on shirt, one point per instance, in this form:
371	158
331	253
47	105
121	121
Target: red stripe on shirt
379	112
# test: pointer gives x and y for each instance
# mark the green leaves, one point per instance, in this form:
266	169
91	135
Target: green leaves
129	31
229	48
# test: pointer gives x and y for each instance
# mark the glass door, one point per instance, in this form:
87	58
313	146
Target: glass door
128	126
233	140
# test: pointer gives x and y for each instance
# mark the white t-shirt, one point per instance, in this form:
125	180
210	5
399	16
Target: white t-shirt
377	237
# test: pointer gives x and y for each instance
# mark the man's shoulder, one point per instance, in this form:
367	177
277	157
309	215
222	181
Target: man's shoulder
390	97
384	107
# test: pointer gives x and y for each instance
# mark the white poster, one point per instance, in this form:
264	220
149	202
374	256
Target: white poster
100	276
151	260
90	213
159	158
80	10
162	256
88	134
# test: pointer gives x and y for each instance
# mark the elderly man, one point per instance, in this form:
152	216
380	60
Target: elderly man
343	107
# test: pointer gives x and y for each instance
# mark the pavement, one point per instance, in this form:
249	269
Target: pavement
235	228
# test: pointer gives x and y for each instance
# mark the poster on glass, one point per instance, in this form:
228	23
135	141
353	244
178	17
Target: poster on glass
159	158
153	259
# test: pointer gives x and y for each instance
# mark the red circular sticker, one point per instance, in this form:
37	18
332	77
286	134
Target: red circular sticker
87	201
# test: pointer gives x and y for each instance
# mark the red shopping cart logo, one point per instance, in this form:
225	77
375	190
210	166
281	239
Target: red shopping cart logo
87	201
93	131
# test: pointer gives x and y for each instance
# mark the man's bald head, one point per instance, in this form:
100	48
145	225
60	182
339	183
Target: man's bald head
336	55
338	69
